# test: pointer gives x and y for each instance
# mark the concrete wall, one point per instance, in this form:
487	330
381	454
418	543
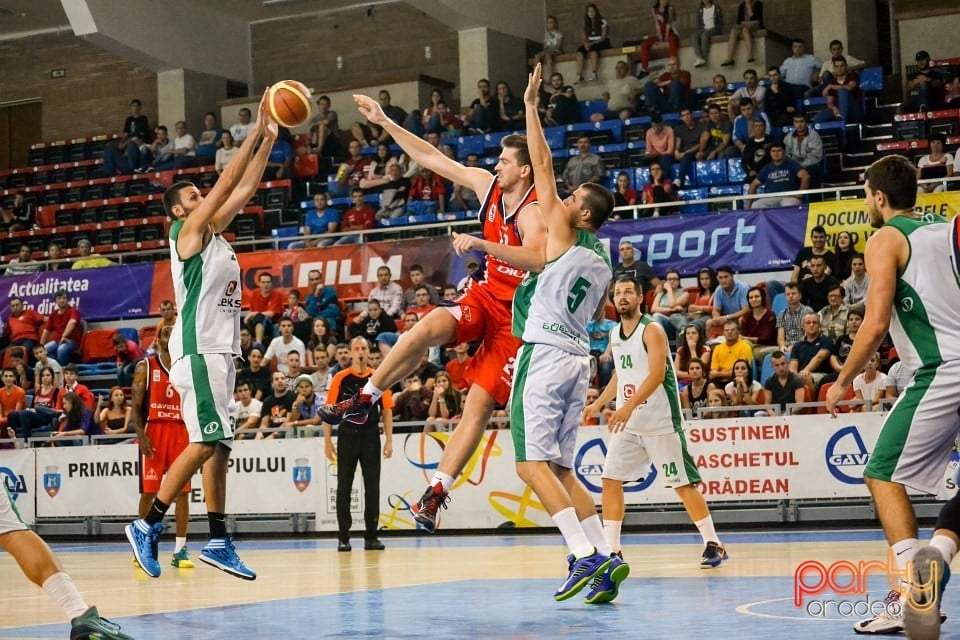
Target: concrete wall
937	34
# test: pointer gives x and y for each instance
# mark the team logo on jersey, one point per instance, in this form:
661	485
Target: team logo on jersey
231	288
211	427
156	375
15	484
907	304
51	481
847	455
301	474
492	212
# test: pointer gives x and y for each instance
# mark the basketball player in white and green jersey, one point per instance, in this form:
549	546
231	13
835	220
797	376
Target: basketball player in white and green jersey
915	294
551	309
647	426
206	281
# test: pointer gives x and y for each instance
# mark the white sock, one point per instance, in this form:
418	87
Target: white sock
611	531
904	551
180	543
707	532
442	478
945	545
370	390
60	587
593	528
573	534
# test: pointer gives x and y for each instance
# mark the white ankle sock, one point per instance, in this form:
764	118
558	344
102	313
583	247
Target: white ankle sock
593	528
573	534
707	532
370	390
60	587
611	531
442	478
180	543
945	545
904	551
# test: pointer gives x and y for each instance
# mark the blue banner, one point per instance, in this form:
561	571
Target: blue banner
748	241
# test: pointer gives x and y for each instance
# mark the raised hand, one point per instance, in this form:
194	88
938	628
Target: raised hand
370	109
533	86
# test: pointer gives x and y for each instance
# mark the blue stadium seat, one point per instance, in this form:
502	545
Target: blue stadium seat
455	215
641	176
129	333
735	172
871	79
694	194
725	190
766	369
554	136
590	107
614	127
778	304
469	144
277	233
710	173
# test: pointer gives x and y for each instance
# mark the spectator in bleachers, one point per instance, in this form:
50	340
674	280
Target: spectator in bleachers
41	360
325	130
721	94
898	377
845	253
870	384
743	127
951	91
552	45
295	312
779	104
114	413
360	216
622	93
158	155
810	356
294	369
670	91
624	195
319	220
209	140
660	144
509	111
694	395
669	306
482	114
365	133
168	315
759	326
255	374
633	268
419	122
445	404
934	165
280	163
123	155
743	390
413	403
24	374
690	143
804	146
813	290
320	375
388	293
700	309
371	324
244	410
756	151
790	320
20	216
421	302
665	30
276	406
54	253
457	365
240	130
282	345
694	349
801	69
784	386
857	284
843	344
752	90
375	172
464	198
725	354
596	38
558	103
833	316
306	404
749	21
64	329
396	190
129	354
709	24
23	264
779	176
836	49
76	419
350	172
72	385
321	300
247	344
321	336
184	153
395	113
427	194
842	90
719	132
265	309
729	300
584	167
472	266
225	153
658	190
42	411
600	351
87	258
923	87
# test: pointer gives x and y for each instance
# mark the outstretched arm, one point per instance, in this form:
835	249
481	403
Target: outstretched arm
421	151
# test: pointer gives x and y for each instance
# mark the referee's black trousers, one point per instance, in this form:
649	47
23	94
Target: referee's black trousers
358	444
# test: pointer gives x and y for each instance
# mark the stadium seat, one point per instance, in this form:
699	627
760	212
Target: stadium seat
97	346
766	368
283	232
306	166
129	333
709	173
778	304
147	335
822	397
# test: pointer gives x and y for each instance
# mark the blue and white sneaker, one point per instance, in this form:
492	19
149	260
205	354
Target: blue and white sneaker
606	585
582	571
143	538
921	611
220	553
713	554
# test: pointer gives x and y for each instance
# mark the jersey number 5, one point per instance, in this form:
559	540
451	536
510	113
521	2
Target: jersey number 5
577	294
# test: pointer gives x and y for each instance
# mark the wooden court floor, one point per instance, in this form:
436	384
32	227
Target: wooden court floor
463	587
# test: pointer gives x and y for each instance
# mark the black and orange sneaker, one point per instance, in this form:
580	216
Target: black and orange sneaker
425	510
354	409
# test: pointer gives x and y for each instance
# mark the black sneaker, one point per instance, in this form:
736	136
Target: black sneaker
344	545
713	555
425	510
353	409
90	626
373	544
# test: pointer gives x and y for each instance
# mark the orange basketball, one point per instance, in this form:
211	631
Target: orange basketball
290	103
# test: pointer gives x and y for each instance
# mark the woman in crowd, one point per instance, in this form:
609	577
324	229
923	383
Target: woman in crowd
694	395
552	46
670	304
693	348
749	20
113	417
596	38
743	390
759	326
624	195
42	412
77	420
226	151
445	404
659	189
700	308
320	334
845	252
936	164
716	398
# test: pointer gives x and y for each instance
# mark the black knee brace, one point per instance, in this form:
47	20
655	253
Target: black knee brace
949	517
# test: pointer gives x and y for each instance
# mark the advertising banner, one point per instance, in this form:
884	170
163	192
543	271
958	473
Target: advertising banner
18	474
747	241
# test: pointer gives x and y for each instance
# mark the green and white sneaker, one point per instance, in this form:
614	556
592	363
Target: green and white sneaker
181	559
90	626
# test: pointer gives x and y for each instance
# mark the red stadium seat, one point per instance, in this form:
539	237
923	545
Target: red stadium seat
97	346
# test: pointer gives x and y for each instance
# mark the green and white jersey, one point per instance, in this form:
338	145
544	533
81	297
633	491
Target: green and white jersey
661	413
207	289
925	323
553	307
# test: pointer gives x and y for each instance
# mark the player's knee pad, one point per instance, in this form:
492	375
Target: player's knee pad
949	517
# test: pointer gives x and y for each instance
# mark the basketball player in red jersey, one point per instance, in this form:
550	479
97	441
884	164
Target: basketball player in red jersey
156	409
514	239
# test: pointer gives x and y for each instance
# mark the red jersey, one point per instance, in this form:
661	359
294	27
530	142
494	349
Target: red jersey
499	225
274	302
25	326
162	400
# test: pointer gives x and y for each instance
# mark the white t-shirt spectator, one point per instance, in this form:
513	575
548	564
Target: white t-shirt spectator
731	387
898	377
241	414
869	390
186	141
279	350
